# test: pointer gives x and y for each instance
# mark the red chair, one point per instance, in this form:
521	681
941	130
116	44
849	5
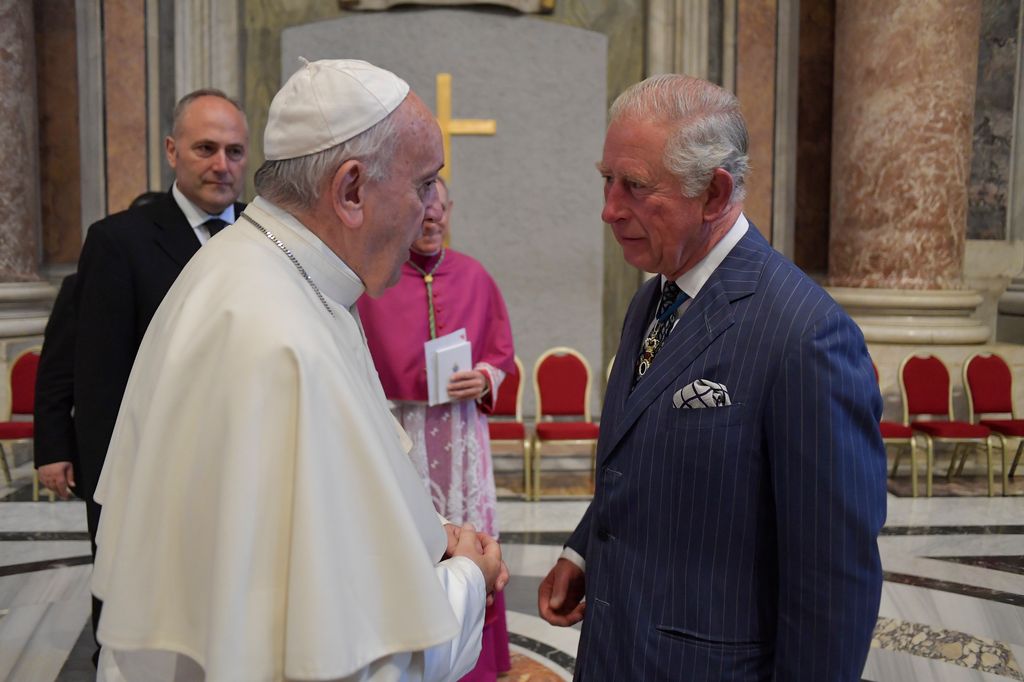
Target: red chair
23	395
561	379
895	434
989	385
511	431
926	389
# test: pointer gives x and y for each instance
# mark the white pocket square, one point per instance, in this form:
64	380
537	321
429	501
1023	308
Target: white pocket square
701	393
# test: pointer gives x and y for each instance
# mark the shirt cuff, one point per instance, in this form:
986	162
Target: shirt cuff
573	556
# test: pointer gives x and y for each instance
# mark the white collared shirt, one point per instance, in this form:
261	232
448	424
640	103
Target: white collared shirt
694	279
196	217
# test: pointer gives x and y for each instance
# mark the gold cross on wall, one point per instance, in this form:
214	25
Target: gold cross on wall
456	126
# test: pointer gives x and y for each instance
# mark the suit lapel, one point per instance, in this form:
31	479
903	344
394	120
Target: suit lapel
174	235
709	315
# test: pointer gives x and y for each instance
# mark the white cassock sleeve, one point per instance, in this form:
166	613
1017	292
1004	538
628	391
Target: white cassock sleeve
462	582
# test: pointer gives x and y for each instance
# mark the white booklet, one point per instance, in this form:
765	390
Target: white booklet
445	356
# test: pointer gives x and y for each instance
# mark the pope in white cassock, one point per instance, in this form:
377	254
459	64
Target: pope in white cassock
261	520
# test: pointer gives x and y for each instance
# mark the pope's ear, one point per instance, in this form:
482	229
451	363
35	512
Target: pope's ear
348	192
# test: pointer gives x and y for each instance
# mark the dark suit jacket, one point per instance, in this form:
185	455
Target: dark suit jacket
54	425
737	543
128	262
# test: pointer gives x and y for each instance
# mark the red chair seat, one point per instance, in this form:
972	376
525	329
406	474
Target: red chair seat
506	430
895	430
12	430
566	430
951	429
1007	427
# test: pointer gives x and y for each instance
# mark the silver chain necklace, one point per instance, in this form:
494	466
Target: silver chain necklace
295	261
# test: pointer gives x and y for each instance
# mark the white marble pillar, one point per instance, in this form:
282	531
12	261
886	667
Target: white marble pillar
207	47
677	37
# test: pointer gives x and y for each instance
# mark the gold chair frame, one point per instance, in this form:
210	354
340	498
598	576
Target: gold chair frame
930	441
3	451
525	442
536	440
1002	438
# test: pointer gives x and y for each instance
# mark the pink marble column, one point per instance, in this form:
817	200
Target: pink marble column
905	75
19	145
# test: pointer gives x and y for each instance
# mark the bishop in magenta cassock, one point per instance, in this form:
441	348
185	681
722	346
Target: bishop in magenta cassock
442	290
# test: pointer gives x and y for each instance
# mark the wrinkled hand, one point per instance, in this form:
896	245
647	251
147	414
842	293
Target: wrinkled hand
467	385
58	477
452	531
482	550
560	596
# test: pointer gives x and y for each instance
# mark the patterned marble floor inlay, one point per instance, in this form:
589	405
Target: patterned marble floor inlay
526	669
954	530
956	588
1009	564
33	566
560	658
968	651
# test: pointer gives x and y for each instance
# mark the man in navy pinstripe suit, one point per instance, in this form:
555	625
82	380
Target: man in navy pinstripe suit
740	472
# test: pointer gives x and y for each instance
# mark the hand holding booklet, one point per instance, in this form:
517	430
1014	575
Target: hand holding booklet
445	356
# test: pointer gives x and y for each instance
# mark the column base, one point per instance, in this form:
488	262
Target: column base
1010	322
24	308
915	317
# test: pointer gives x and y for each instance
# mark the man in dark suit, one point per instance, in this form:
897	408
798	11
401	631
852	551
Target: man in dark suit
130	259
55	451
56	448
740	473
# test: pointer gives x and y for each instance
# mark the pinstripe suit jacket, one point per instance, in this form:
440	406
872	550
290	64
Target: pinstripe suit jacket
739	542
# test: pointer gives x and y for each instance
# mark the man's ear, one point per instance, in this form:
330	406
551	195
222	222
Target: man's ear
170	148
719	194
348	192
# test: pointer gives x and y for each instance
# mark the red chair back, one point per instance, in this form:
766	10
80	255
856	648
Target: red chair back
562	381
23	382
989	384
510	393
926	388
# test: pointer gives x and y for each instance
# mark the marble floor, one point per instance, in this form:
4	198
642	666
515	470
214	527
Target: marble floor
952	607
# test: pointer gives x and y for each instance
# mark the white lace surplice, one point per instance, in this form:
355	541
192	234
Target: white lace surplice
451	450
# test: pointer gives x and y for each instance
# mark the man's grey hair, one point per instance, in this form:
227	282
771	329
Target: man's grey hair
184	102
709	130
296	183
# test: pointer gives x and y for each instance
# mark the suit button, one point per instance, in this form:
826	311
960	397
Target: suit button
603	535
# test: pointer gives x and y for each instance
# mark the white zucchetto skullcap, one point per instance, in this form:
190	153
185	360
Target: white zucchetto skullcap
327	102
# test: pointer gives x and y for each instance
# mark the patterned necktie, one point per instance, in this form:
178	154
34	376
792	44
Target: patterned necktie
671	298
215	225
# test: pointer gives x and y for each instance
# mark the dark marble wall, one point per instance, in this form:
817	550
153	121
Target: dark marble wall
814	134
756	45
993	120
59	160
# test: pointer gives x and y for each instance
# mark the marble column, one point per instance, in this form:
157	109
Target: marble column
24	298
905	76
19	145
